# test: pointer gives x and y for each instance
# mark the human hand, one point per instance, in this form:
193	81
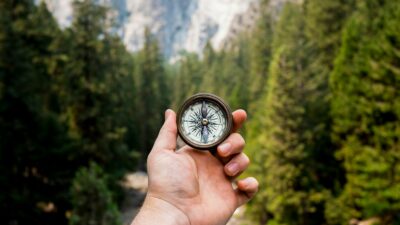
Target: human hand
188	186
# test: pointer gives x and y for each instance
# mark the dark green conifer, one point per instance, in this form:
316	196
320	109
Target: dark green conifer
365	109
94	74
152	93
92	202
33	143
282	144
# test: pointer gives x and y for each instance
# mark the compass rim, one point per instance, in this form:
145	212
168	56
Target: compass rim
212	98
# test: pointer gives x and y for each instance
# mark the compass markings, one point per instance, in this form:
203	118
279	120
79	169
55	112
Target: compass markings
192	122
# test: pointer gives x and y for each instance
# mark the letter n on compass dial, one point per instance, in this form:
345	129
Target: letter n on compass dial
203	122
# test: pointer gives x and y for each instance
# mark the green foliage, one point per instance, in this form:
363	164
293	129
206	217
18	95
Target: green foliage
34	142
66	98
325	20
260	53
94	75
152	93
287	159
187	80
223	73
366	114
92	202
98	93
289	138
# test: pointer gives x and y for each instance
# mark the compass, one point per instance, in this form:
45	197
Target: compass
204	121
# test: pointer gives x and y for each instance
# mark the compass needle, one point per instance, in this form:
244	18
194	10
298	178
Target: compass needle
204	110
204	134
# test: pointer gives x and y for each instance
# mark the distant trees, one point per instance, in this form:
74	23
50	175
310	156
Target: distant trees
224	73
187	80
152	94
260	54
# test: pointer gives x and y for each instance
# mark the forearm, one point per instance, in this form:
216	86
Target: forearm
156	211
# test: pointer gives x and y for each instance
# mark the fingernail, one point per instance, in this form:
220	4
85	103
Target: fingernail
225	148
166	114
247	181
233	168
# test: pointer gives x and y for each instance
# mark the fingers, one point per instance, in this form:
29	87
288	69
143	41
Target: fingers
239	116
167	136
234	144
237	165
246	189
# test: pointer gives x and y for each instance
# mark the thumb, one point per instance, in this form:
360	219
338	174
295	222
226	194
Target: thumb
167	136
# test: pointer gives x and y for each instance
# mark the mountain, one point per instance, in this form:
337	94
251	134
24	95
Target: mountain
179	25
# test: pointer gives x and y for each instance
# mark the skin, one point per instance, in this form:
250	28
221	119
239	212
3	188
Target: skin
187	186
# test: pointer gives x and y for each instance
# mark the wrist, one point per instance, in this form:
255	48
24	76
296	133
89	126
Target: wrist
158	211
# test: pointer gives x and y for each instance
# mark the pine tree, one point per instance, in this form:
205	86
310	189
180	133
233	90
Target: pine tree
94	74
91	199
282	145
324	22
152	94
31	162
365	108
260	53
38	157
234	83
211	65
188	78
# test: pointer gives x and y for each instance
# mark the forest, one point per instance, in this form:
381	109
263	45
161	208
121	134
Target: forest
320	83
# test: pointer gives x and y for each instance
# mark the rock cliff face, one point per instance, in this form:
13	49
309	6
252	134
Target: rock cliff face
180	25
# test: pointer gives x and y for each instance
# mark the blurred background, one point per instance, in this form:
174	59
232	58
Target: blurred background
84	86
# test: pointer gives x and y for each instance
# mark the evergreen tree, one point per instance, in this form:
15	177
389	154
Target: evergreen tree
211	64
260	53
226	73
31	162
91	199
324	24
188	78
286	158
365	108
94	74
233	83
152	94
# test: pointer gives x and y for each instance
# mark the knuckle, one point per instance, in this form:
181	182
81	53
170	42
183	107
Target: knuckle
172	130
242	141
238	139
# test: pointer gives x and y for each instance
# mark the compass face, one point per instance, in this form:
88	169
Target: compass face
204	121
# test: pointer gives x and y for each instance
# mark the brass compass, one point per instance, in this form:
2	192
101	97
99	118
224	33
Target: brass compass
204	121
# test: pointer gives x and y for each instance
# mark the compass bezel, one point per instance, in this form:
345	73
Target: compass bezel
210	98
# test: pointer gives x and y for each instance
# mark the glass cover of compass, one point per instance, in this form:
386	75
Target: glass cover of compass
204	121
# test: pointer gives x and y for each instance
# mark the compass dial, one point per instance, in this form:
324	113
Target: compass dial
204	121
